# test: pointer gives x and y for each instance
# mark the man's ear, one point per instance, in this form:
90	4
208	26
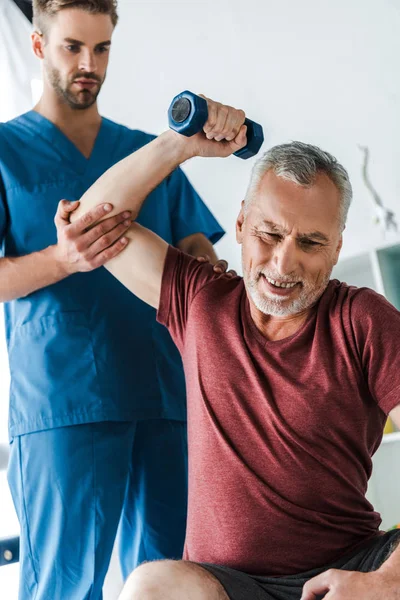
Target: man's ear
37	44
239	225
338	249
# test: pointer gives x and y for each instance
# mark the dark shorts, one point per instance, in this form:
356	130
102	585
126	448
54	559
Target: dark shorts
240	586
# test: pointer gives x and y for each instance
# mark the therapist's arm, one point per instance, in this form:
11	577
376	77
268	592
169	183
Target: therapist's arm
198	245
78	249
127	184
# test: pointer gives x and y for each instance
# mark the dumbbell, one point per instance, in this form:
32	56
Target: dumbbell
188	114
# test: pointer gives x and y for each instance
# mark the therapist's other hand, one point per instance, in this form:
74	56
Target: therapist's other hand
84	245
221	266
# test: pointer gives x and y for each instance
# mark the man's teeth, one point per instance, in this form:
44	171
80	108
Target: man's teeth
281	285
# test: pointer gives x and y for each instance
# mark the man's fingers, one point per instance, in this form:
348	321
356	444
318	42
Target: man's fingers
317	586
107	226
237	121
220	266
222	118
89	218
232	125
70	206
224	122
108	239
64	209
212	118
240	140
203	258
103	257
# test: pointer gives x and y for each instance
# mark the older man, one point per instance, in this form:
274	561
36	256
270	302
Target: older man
290	377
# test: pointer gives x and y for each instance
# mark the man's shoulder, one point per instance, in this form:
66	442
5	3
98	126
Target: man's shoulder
12	126
134	138
14	142
350	292
14	122
360	302
204	282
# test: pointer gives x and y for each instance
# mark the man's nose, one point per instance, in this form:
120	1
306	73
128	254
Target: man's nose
286	257
87	61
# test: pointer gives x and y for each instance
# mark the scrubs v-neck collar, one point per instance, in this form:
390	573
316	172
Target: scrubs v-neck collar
58	140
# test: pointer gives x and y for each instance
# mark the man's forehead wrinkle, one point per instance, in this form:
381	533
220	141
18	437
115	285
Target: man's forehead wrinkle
274	226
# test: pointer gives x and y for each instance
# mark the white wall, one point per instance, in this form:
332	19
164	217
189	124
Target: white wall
17	63
322	72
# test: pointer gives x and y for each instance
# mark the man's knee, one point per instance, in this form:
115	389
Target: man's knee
172	580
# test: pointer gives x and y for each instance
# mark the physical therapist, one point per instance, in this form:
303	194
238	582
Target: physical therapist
97	400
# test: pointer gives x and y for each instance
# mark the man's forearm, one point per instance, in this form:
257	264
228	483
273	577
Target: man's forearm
24	275
128	183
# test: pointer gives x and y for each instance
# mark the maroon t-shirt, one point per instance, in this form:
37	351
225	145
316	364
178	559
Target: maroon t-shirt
281	433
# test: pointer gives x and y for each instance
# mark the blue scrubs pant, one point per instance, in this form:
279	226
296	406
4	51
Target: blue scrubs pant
71	488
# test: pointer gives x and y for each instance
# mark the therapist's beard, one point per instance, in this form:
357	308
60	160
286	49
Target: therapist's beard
80	100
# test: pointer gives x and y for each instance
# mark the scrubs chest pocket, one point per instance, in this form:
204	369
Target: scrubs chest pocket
53	371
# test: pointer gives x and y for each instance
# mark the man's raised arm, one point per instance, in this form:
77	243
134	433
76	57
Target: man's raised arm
127	184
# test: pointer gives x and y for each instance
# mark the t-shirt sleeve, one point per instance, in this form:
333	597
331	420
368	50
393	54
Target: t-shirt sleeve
189	212
183	278
376	326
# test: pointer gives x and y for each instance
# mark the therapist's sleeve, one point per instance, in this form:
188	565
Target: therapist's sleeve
3	215
189	214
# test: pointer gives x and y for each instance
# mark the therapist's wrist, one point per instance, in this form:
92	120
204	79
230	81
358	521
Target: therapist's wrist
62	267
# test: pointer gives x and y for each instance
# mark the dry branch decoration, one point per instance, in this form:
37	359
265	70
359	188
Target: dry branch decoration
385	217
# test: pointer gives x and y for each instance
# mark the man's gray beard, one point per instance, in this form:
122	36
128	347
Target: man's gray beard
69	97
279	307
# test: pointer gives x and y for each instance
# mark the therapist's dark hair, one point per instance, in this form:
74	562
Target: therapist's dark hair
44	10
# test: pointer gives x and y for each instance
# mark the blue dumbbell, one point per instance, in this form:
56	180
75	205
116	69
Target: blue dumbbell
188	114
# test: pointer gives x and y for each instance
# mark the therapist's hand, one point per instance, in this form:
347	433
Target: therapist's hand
85	245
221	266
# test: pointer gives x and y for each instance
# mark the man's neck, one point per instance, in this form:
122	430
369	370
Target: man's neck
79	126
277	328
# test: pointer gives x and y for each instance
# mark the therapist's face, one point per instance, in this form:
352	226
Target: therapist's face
76	50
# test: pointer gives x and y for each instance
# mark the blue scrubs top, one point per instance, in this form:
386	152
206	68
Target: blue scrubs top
85	349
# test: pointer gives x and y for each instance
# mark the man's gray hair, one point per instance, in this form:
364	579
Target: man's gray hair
300	163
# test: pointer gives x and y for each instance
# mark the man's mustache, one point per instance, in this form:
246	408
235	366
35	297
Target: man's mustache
281	278
91	76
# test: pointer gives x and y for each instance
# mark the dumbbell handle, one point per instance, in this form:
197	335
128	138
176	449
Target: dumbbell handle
188	114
